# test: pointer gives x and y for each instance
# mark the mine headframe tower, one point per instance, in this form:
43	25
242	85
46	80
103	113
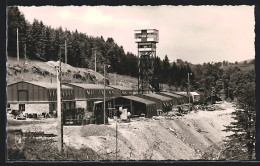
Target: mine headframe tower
146	40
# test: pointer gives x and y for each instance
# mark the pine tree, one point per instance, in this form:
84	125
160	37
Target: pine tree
16	21
241	143
157	73
47	43
165	69
173	74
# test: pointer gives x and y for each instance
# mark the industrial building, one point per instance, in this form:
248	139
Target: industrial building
176	99
87	94
137	105
83	101
36	97
195	96
122	91
184	95
162	103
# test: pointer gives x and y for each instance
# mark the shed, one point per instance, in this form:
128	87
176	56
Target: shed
87	94
137	105
38	96
176	99
91	91
122	91
195	96
184	95
163	103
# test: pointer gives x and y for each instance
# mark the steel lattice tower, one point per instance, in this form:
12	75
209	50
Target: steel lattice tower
146	40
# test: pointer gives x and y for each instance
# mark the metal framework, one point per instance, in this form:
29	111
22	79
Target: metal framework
146	40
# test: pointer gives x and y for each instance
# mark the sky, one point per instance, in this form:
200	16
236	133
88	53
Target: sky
196	34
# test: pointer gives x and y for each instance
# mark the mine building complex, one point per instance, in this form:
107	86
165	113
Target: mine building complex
82	101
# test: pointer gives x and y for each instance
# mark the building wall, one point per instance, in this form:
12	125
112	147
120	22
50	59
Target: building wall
157	101
33	108
68	105
24	91
126	92
196	97
81	104
14	106
174	99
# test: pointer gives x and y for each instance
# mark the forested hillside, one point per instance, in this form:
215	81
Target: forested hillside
41	42
38	41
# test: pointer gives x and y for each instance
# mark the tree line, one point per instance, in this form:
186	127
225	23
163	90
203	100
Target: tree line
174	74
238	86
242	85
38	41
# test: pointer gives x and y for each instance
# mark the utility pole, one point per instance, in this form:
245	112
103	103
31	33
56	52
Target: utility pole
116	137
25	51
17	33
105	93
211	94
189	88
228	93
95	60
116	79
66	51
59	112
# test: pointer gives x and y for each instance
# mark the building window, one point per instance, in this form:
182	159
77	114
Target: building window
22	107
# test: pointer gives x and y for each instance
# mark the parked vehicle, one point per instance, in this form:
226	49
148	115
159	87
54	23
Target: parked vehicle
210	108
185	109
175	108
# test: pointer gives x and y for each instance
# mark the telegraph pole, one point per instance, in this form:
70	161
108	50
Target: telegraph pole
116	79
25	51
104	93
95	60
116	137
211	93
189	88
66	51
17	44
59	112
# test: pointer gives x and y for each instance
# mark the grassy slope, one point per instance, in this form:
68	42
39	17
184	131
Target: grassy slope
243	67
45	71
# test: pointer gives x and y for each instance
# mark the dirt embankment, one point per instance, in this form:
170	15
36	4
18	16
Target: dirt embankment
160	138
166	138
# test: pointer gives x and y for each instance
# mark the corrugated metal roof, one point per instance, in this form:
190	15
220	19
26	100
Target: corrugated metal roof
119	87
181	93
47	85
138	99
171	94
194	93
90	86
156	96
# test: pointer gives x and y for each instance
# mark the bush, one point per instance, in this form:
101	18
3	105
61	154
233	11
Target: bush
77	75
40	147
